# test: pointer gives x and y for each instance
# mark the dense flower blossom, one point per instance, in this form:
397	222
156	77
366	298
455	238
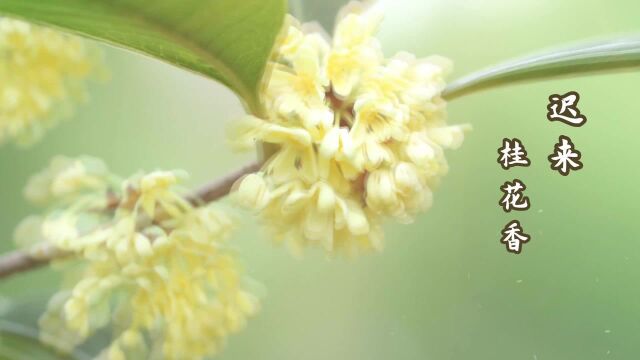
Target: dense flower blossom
359	137
42	70
154	264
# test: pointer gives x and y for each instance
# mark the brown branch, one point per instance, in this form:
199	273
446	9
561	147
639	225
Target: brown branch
19	260
221	187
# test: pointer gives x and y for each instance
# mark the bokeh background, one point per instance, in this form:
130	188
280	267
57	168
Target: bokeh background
444	288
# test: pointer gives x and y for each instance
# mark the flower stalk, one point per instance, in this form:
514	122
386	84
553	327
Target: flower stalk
20	260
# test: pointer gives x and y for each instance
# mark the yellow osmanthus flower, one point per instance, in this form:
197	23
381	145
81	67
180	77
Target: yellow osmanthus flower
153	264
359	137
66	178
41	70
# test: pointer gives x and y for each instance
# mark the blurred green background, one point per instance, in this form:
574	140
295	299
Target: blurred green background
444	288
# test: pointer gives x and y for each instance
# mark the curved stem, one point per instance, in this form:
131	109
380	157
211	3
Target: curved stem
20	260
616	54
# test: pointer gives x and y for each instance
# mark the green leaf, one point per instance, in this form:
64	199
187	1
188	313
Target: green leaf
226	40
607	56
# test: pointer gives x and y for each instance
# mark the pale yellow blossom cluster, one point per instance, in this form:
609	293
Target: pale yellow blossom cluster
153	264
41	72
359	137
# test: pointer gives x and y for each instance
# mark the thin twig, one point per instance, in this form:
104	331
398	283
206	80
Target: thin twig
20	260
221	187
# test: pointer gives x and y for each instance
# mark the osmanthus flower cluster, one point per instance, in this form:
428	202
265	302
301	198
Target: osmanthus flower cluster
42	71
359	137
152	263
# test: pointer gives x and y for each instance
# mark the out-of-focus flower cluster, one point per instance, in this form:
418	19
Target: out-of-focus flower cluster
359	137
152	263
41	72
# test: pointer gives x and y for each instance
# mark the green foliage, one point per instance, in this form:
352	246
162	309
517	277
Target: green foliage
230	41
226	40
611	55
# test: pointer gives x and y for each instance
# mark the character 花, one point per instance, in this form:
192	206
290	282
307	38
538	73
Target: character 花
513	198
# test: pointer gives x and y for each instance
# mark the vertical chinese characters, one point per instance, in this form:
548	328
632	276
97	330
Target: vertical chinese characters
513	153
